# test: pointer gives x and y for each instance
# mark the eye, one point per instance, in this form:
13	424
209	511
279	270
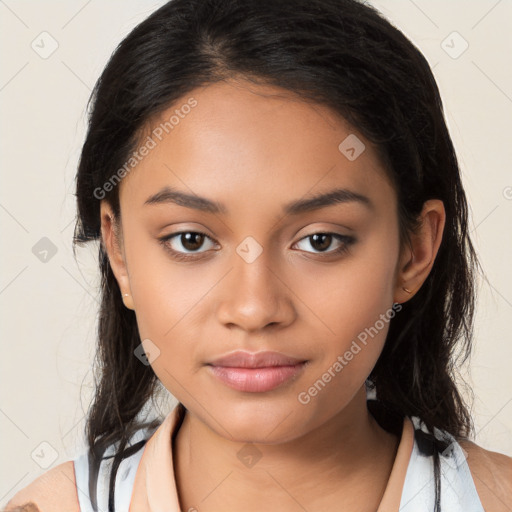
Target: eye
184	245
323	240
179	243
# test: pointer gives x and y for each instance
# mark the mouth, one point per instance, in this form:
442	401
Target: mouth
255	372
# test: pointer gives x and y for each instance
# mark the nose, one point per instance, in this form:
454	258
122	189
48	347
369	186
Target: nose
255	294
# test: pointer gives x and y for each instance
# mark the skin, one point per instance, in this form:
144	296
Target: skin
255	148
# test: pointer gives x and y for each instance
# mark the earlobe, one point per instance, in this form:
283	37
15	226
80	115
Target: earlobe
112	244
422	251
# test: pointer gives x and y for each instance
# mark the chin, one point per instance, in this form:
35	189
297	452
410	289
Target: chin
262	421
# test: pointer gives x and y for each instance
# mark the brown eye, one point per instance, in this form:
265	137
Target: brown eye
320	242
191	241
185	244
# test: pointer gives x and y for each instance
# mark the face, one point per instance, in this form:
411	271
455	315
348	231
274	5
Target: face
242	269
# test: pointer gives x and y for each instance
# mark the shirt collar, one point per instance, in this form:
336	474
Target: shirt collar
155	489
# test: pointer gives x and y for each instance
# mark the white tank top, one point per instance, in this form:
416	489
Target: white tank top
125	477
458	492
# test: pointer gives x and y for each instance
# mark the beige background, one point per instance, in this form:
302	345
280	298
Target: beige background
49	308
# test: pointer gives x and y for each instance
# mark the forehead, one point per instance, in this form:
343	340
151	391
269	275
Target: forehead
244	144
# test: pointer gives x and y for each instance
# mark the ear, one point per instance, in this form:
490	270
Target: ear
417	258
111	240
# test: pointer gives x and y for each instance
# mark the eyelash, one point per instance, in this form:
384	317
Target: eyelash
347	241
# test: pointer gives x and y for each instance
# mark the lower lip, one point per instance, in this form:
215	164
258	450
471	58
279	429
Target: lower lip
256	380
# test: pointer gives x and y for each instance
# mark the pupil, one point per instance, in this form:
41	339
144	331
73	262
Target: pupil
322	245
190	241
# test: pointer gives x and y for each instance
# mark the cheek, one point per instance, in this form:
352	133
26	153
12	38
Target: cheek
168	299
351	304
347	296
162	290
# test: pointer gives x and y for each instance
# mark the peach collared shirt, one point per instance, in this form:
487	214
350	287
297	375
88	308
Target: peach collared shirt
154	488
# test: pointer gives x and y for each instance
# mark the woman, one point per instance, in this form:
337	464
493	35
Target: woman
284	248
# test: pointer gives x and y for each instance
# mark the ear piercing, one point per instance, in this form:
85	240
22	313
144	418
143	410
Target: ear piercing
406	289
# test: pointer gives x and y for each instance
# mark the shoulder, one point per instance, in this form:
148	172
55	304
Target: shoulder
53	491
492	475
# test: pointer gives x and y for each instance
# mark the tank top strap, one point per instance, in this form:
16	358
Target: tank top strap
125	477
458	492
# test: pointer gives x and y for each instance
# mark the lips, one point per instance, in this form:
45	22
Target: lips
255	372
241	359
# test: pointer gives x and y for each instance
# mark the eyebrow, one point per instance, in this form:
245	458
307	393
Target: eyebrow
169	195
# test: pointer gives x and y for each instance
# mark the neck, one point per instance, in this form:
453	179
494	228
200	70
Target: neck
348	457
